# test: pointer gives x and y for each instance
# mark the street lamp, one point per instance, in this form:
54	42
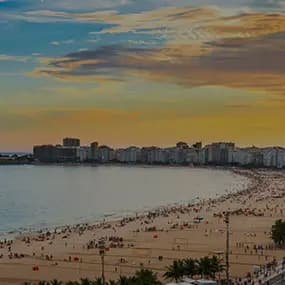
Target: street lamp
227	221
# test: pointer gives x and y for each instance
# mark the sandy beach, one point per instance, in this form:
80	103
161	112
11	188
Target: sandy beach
173	232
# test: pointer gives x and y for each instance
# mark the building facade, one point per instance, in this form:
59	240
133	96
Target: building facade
221	153
71	142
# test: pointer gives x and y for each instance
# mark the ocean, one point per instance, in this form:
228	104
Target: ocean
34	197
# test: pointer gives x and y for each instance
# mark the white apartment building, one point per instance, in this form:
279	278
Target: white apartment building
192	156
120	155
84	153
242	156
219	153
274	157
156	155
105	154
132	154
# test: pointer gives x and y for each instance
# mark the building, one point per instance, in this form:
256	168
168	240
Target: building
153	155
71	142
242	157
177	155
120	155
220	153
182	145
132	154
274	157
257	156
192	156
84	153
105	154
202	156
197	145
67	154
58	153
94	151
280	158
45	153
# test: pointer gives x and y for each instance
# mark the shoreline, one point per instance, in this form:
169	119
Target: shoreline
115	217
122	164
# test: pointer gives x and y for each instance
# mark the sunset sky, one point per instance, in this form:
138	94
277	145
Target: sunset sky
142	72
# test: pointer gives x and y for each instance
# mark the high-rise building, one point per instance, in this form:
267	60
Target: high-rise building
71	142
197	145
45	153
220	153
105	154
94	150
84	153
192	156
132	154
274	157
67	154
182	145
51	153
242	157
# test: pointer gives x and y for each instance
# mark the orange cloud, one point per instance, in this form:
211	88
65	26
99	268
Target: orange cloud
202	47
254	63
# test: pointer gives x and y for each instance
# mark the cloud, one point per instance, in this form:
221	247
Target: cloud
168	22
65	42
55	43
86	5
4	57
201	47
132	5
265	4
71	69
242	63
88	10
173	24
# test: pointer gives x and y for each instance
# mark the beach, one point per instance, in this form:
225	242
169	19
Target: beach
171	232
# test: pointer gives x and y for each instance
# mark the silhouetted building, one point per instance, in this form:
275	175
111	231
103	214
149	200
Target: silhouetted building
51	153
71	142
105	154
45	153
94	150
67	154
197	145
220	153
182	145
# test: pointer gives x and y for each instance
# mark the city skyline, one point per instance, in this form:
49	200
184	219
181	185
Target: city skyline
217	153
124	146
61	142
142	73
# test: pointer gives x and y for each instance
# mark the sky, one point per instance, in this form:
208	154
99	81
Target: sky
142	72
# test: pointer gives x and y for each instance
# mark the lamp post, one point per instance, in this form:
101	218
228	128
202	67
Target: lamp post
101	247
227	221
